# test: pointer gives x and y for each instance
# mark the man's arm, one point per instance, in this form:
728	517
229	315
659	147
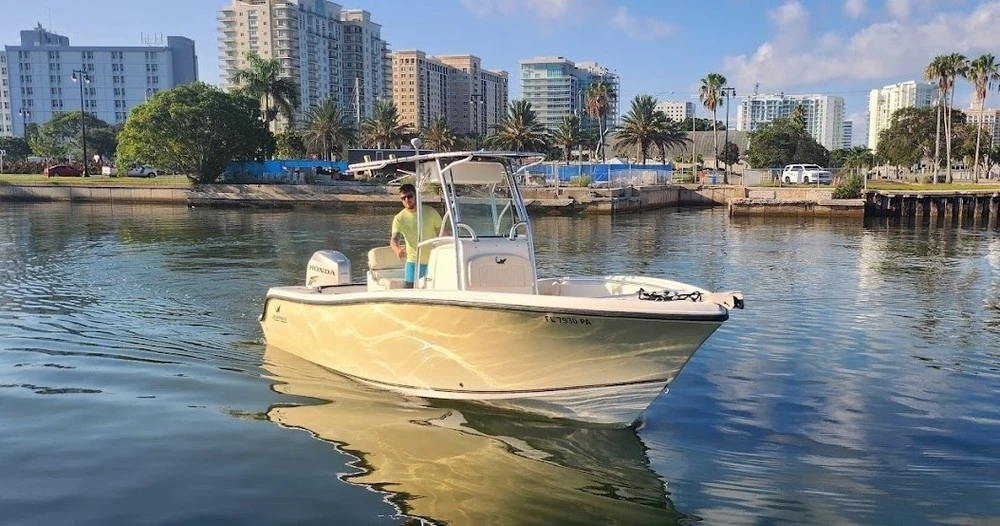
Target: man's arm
398	244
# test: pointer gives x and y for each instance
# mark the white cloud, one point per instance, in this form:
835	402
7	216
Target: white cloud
898	8
641	29
854	8
885	50
541	9
573	11
790	14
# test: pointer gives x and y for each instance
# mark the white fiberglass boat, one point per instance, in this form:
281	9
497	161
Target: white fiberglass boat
482	325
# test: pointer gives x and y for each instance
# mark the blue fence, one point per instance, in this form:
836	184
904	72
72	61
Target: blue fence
282	170
602	174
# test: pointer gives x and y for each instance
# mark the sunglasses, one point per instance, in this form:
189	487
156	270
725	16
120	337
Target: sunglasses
406	196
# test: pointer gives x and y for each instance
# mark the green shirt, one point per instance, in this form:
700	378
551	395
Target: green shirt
405	223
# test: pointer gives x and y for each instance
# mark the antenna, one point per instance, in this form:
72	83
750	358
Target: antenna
756	88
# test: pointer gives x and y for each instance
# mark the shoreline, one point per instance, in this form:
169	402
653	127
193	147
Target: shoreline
565	200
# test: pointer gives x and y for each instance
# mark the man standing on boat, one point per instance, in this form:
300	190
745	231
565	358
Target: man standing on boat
404	238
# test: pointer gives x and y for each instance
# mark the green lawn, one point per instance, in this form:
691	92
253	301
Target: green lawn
97	180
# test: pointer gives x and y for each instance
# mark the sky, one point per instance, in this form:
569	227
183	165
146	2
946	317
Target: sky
658	47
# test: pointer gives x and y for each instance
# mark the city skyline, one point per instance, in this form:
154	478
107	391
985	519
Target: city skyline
844	48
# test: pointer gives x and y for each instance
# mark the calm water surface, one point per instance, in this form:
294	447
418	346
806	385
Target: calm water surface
861	385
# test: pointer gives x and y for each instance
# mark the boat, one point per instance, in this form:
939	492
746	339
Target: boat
481	324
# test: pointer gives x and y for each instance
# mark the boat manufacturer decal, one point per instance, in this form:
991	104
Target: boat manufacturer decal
277	317
567	320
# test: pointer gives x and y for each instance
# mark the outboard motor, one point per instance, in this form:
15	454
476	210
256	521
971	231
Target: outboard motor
328	267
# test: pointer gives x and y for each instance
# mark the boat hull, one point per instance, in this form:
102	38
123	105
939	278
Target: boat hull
545	356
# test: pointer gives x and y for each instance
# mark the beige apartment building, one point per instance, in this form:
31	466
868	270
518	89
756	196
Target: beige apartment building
329	51
471	98
988	118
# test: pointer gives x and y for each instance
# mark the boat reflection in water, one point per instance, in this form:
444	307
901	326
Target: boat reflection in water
461	463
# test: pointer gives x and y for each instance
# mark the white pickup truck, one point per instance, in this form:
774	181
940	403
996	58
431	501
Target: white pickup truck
806	173
135	171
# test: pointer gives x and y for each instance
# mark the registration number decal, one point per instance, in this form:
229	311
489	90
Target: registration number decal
567	320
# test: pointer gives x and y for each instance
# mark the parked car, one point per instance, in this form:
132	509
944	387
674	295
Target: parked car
806	173
62	169
135	171
141	171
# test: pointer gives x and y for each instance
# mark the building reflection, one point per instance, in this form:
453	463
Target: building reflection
468	464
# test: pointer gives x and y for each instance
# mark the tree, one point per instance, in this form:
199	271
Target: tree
290	144
780	142
62	137
262	81
798	116
439	136
600	97
671	134
327	130
991	158
195	129
935	72
730	155
16	147
859	159
701	125
519	130
641	127
383	129
911	136
568	134
982	73
710	94
953	65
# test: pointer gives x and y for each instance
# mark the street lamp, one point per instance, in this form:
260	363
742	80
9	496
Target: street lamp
25	113
728	92
83	77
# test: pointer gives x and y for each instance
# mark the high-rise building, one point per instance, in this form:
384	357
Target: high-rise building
677	110
848	134
557	87
988	118
471	98
329	51
883	102
37	77
824	115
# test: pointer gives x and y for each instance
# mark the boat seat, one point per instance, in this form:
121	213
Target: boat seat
385	270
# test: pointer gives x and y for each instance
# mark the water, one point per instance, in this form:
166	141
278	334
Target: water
859	387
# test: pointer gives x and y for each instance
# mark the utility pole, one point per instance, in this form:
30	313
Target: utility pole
357	102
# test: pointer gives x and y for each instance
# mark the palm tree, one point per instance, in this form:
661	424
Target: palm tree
710	95
642	127
954	65
935	72
262	80
672	134
798	116
982	73
383	129
568	134
519	130
327	129
600	97
438	136
859	158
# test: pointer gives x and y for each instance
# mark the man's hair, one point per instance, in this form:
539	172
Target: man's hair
407	188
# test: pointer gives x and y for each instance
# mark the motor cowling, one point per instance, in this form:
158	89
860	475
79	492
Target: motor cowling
328	267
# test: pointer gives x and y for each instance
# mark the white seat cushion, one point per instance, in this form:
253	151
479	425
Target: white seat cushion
381	258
